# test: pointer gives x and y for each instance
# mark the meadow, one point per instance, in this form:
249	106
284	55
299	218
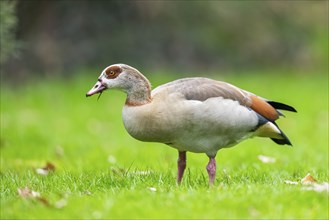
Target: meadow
98	171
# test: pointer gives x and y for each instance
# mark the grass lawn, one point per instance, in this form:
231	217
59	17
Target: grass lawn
101	172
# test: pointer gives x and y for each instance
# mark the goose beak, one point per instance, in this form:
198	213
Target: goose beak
99	87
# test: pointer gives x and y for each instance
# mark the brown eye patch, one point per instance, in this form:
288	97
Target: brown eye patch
112	72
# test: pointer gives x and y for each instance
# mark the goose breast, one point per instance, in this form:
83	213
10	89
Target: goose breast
188	124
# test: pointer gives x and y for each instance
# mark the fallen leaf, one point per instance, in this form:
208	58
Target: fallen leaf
322	187
43	200
266	159
308	179
46	169
27	193
41	171
153	189
142	172
291	182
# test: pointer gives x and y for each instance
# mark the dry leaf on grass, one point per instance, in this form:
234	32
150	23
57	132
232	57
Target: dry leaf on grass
291	182
308	179
266	159
142	172
27	193
310	184
322	187
152	189
46	169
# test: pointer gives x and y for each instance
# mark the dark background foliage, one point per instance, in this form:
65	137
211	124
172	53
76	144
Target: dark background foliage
61	37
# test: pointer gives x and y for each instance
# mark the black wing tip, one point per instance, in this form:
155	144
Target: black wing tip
281	106
282	141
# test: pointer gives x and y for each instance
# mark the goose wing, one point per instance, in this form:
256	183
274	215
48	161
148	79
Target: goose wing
202	89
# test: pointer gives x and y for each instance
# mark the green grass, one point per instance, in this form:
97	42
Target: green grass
100	169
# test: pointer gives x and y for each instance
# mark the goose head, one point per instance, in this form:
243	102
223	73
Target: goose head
127	79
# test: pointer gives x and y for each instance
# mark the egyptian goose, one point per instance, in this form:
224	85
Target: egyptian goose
198	115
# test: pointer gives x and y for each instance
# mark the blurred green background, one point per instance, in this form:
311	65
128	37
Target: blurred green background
61	37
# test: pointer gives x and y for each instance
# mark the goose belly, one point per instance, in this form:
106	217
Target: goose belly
190	125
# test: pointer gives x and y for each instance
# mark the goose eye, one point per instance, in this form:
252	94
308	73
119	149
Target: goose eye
109	74
112	72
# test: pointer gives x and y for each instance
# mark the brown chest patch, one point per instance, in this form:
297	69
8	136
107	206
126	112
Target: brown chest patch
132	103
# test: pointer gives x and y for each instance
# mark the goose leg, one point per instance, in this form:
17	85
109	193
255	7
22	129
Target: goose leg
211	169
181	162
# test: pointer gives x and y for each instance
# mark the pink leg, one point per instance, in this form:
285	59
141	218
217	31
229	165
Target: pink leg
211	169
181	162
